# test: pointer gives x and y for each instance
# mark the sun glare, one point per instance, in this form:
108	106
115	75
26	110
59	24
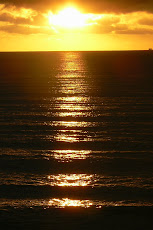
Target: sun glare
71	18
68	18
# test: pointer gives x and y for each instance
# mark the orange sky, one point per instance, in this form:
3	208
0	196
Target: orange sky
32	25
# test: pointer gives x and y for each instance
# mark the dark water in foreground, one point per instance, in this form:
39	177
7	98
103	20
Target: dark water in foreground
76	130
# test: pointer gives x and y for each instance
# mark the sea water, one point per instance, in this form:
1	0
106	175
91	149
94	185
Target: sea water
76	130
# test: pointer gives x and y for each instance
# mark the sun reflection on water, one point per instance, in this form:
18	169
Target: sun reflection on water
72	61
70	180
69	114
71	105
66	202
69	155
74	99
74	123
71	79
67	138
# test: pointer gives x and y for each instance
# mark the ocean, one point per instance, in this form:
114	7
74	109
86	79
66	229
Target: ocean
76	140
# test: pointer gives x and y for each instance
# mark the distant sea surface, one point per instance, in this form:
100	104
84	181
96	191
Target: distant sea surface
76	130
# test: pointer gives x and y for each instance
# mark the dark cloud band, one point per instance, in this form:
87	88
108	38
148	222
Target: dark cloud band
92	6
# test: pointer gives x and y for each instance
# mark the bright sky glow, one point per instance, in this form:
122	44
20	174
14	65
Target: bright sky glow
72	18
88	25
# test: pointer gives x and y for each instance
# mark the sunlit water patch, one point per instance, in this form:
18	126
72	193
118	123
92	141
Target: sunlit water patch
34	204
70	179
65	202
68	155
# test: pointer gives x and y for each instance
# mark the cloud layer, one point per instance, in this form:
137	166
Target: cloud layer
94	6
118	17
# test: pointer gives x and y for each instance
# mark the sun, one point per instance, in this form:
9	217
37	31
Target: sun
69	18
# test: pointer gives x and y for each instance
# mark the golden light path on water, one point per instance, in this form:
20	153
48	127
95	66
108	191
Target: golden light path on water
70	180
71	105
66	202
68	155
69	203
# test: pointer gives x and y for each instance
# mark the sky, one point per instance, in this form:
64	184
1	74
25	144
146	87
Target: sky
54	25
